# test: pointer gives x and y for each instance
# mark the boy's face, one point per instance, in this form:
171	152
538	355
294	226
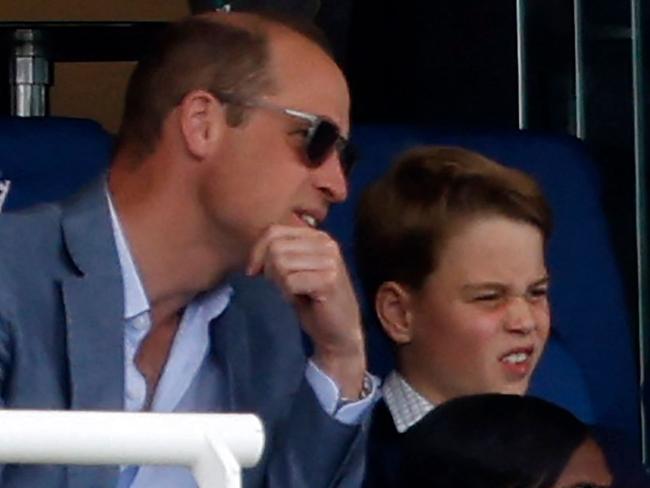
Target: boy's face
480	321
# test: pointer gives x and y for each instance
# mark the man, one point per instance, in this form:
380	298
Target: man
129	297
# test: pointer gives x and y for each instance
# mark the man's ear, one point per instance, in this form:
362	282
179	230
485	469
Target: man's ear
202	121
393	306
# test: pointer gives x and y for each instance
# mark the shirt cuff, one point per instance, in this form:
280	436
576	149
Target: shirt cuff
328	394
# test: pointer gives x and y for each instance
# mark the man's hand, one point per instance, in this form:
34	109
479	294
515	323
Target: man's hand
307	266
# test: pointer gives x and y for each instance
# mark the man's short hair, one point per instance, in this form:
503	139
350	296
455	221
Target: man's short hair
405	218
202	52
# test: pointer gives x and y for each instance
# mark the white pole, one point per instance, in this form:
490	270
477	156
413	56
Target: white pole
578	42
522	88
214	446
641	204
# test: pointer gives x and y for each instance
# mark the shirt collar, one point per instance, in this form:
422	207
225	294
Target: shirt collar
135	298
406	406
212	303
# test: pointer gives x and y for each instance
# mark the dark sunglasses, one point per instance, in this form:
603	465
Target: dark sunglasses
323	135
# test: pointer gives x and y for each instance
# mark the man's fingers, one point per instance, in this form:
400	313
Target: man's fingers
290	262
303	262
279	242
258	254
317	285
288	271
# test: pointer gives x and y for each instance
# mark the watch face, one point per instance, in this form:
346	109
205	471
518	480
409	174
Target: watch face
366	390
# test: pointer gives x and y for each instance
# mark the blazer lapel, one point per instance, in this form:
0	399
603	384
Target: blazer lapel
232	353
254	342
95	342
94	304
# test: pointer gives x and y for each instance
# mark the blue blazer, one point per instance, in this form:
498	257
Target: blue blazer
61	347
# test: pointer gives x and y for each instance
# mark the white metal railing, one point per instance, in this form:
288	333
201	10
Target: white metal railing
213	446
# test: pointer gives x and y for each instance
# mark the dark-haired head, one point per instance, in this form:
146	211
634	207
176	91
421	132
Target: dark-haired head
405	218
450	247
498	441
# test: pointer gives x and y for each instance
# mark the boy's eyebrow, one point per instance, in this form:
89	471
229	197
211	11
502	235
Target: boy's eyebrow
483	286
542	281
500	286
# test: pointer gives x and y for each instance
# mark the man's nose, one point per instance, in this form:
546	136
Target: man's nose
520	317
330	178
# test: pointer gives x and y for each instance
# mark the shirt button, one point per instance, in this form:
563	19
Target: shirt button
132	393
136	395
141	322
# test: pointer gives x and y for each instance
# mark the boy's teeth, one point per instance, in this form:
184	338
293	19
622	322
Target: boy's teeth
515	358
309	220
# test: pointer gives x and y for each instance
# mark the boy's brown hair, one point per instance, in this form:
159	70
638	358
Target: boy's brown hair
405	218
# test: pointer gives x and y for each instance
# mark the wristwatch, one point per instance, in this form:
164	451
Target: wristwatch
366	389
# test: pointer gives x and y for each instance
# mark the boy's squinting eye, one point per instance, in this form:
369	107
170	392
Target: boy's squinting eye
488	298
491	297
539	292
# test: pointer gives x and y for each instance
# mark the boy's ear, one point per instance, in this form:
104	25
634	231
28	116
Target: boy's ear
202	117
393	307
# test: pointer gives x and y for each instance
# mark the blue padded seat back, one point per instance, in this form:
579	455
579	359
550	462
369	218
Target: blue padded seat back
589	365
48	158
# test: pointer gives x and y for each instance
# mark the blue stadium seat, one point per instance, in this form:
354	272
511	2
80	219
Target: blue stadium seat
46	159
590	364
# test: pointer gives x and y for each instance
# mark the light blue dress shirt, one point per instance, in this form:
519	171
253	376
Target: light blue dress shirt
192	380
